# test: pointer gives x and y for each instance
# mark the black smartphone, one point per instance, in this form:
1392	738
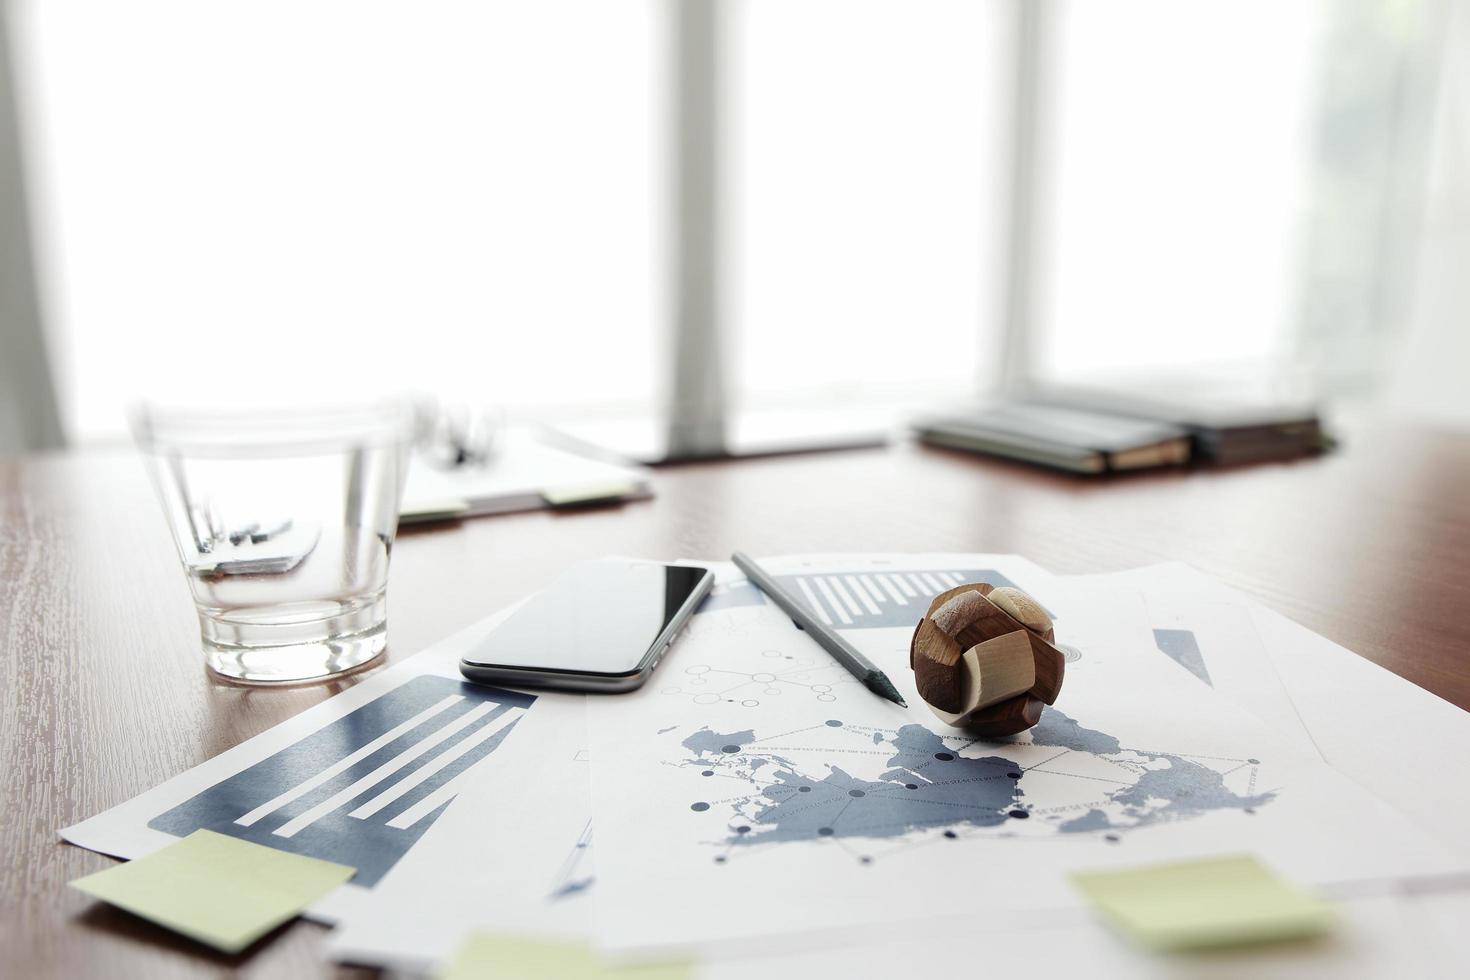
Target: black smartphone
602	626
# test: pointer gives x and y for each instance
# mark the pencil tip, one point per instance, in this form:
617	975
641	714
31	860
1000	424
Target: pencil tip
879	684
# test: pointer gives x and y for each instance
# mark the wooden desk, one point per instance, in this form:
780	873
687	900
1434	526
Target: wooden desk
104	694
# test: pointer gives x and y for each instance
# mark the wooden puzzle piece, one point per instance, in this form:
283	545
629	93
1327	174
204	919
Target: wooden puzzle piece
984	660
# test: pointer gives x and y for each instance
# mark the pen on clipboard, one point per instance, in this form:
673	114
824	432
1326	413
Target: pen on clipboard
827	638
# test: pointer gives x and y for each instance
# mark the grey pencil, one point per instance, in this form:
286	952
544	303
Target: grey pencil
827	638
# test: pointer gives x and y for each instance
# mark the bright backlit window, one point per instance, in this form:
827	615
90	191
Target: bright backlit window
330	199
292	198
1180	153
866	146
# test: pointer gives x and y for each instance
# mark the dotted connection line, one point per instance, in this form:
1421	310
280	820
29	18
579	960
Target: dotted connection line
1045	761
901	791
823	748
767	680
1187	755
1073	775
794	731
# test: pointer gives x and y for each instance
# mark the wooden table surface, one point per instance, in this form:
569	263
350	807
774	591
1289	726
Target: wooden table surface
104	693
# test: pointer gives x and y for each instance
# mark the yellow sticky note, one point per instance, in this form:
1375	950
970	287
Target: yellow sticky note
588	493
1227	901
432	510
217	889
486	956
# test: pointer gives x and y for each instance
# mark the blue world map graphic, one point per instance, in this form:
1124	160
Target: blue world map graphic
872	785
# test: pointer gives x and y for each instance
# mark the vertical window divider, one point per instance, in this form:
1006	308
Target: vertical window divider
29	416
1023	195
698	399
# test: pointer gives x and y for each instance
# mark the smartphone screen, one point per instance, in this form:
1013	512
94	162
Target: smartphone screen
600	617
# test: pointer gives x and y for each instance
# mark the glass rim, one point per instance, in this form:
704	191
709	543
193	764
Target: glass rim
240	432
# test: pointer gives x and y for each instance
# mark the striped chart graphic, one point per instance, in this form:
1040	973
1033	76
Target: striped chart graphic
865	599
362	790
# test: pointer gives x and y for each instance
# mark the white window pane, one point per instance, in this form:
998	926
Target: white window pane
1180	150
296	196
864	147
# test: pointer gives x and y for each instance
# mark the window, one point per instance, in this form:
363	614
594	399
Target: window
866	144
327	199
1181	144
330	199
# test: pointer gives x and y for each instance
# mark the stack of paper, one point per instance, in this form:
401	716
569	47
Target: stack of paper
527	473
755	809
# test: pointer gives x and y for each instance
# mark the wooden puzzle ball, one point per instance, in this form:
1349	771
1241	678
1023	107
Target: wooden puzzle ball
983	659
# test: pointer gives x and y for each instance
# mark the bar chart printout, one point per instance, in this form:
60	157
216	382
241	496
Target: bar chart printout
362	790
867	599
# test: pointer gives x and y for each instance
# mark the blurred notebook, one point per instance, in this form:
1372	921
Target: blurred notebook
1061	438
1229	423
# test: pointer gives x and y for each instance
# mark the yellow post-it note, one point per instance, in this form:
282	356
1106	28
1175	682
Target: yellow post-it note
486	956
583	494
217	889
432	510
1227	901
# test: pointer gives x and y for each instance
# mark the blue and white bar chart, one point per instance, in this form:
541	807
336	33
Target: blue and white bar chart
866	599
363	789
872	599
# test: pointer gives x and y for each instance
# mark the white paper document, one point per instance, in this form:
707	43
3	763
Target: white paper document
1407	745
357	779
1378	937
516	478
513	855
1211	637
755	788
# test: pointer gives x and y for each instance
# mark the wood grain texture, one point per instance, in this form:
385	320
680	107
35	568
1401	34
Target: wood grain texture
1024	610
1001	668
995	671
984	588
935	658
963	610
931	642
978	620
103	693
1007	718
1050	667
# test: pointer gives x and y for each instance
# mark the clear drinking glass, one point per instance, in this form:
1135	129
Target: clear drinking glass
284	523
